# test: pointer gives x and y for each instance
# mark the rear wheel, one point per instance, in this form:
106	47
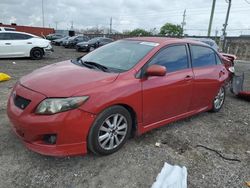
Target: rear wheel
36	53
219	100
110	130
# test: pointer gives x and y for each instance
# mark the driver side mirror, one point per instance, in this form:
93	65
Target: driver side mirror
156	70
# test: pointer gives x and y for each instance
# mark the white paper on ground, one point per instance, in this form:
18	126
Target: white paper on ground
171	177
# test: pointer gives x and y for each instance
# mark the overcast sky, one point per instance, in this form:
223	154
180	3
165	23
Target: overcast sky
128	14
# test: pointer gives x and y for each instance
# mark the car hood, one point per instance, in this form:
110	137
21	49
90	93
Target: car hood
64	79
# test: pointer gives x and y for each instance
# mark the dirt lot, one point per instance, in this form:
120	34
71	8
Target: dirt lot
139	161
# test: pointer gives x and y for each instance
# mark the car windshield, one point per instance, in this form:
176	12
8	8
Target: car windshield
121	55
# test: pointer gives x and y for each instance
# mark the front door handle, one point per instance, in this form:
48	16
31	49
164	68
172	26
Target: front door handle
188	77
7	43
29	42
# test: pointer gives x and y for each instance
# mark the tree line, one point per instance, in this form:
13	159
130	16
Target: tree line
167	29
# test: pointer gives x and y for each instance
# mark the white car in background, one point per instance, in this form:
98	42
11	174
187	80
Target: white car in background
20	44
7	29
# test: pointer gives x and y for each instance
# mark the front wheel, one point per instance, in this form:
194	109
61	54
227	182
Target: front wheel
110	130
36	53
219	100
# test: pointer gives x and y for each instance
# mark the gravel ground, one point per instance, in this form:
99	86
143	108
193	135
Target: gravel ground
139	161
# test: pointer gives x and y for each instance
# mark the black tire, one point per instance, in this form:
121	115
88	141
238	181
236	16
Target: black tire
221	97
36	53
95	133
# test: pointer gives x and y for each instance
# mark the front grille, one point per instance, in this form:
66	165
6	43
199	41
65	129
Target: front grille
21	102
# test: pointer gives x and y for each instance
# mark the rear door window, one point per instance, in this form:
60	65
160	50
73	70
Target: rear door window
174	58
202	56
20	36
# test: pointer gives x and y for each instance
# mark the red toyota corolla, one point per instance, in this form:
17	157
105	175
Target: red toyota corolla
133	85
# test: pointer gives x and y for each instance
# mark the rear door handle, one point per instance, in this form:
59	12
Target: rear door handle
7	43
221	73
29	42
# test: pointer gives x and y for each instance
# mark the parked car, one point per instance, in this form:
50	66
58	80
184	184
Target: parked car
72	41
59	42
20	44
54	36
93	44
128	86
7	29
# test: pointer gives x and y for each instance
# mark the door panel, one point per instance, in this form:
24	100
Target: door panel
208	76
167	96
205	86
5	48
20	47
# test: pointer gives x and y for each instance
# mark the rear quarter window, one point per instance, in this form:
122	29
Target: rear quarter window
202	56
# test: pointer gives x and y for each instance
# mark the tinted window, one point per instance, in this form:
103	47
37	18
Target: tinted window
94	40
202	56
5	36
174	58
107	40
19	36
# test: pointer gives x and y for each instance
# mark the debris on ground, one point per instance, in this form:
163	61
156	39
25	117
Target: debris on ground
157	144
226	158
171	177
4	77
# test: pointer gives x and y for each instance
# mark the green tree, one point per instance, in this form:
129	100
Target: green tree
139	32
171	30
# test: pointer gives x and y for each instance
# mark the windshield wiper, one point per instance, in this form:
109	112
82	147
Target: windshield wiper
97	65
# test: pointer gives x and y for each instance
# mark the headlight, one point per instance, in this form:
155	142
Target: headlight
56	105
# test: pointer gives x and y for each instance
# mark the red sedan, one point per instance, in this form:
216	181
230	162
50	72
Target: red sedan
129	86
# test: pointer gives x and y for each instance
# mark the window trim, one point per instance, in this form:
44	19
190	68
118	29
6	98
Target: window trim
141	73
200	45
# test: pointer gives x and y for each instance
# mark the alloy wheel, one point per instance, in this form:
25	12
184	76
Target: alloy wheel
219	99
112	131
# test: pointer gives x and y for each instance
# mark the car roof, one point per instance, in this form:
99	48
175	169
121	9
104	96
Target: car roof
166	40
18	32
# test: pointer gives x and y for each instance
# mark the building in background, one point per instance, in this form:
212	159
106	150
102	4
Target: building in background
39	31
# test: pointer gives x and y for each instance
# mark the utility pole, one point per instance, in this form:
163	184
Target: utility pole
43	13
110	26
183	23
211	19
225	25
